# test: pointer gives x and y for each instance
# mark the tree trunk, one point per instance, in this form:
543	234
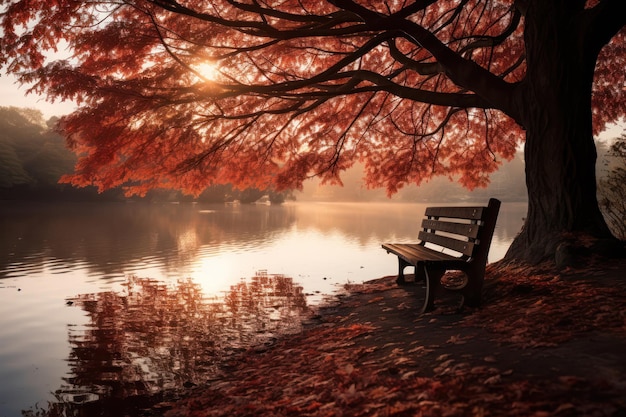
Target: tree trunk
560	151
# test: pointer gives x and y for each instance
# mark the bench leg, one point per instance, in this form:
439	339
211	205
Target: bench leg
433	284
419	273
401	265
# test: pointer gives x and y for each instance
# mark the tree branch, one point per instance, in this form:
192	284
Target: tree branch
604	21
491	41
463	72
330	25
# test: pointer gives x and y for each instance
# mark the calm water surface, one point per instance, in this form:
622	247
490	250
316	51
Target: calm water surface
118	300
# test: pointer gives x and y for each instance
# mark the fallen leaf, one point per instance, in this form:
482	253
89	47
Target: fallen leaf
456	340
492	380
564	407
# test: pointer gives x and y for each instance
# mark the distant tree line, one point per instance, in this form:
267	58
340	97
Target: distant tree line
33	157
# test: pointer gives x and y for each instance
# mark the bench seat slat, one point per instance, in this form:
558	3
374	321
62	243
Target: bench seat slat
469	230
469	213
415	253
466	248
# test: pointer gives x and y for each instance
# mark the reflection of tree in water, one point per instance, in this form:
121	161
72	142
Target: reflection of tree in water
151	337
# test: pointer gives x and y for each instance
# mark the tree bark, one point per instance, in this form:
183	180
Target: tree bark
560	154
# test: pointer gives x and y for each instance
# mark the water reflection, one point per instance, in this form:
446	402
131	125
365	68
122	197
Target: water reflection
152	337
106	241
105	238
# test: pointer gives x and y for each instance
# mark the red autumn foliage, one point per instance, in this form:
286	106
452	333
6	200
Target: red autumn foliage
271	115
302	89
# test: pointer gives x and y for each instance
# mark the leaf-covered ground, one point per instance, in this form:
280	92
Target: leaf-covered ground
545	343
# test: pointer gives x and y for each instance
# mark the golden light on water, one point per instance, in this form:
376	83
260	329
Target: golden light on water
215	274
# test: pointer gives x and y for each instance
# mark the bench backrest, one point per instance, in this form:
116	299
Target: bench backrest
466	230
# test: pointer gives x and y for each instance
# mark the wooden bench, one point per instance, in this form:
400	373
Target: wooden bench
458	238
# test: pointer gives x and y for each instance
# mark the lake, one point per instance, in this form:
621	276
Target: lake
109	301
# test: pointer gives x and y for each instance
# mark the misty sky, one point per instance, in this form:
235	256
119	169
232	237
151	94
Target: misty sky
13	95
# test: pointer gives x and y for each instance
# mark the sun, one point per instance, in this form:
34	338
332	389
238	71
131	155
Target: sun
207	70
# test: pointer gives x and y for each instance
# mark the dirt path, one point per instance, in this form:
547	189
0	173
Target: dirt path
545	343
